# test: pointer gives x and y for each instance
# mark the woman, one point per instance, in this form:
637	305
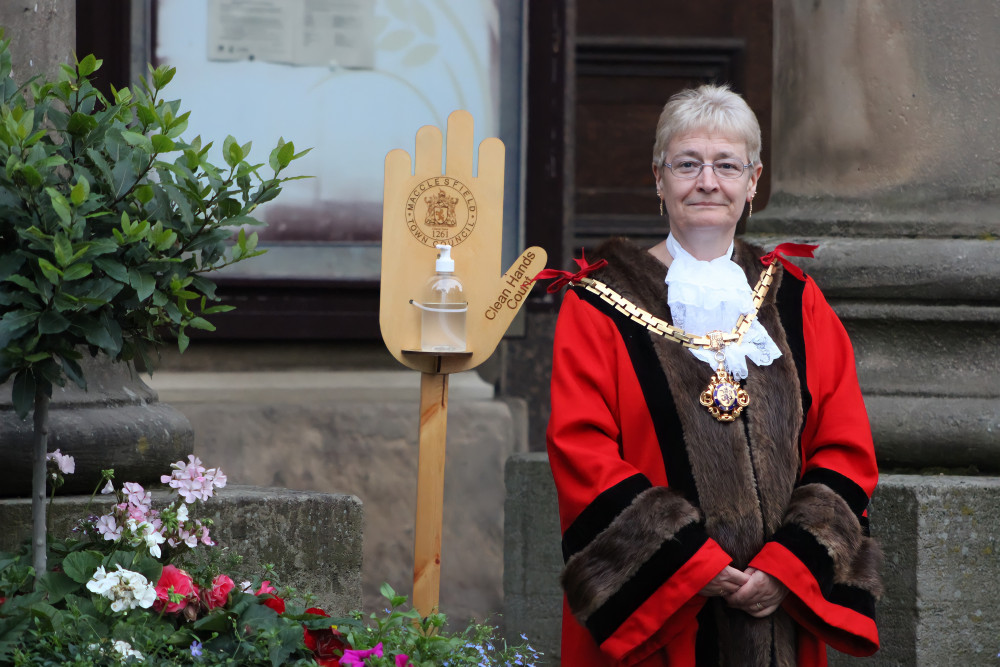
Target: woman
712	488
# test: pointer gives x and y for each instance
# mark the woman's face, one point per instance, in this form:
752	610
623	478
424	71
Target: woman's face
706	205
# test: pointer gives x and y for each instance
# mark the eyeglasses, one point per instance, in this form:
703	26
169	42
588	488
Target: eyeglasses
728	168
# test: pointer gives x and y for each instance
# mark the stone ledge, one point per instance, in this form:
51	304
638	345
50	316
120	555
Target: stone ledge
937	271
297	386
313	539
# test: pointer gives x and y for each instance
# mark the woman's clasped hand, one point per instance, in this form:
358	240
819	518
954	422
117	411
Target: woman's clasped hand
755	592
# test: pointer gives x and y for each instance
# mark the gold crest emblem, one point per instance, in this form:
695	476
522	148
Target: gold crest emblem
441	210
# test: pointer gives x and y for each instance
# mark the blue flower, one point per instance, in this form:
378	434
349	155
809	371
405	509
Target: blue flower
196	649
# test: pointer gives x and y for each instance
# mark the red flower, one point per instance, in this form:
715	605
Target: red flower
275	603
326	644
269	598
219	595
174	581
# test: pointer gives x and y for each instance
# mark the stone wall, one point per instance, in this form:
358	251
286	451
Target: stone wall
942	568
356	432
312	539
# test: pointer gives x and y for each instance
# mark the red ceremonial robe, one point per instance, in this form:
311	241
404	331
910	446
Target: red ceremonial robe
656	497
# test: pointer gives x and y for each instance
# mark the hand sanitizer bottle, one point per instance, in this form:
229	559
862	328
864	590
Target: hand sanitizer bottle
443	308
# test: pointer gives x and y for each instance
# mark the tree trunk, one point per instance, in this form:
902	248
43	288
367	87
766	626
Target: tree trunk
40	449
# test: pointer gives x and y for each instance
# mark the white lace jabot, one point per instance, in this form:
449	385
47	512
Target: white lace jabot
710	296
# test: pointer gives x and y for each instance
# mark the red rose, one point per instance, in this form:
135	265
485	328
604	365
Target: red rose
174	581
326	644
219	595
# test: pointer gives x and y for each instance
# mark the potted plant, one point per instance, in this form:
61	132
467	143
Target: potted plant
110	224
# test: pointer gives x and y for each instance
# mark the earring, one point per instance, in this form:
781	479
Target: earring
661	201
750	212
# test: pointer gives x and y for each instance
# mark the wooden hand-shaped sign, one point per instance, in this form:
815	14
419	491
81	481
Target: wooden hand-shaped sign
423	208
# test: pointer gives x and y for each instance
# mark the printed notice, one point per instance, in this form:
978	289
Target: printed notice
297	32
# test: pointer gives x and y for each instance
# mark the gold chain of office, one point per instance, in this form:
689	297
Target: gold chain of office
724	397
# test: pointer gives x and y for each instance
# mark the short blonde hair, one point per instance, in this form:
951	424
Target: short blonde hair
709	107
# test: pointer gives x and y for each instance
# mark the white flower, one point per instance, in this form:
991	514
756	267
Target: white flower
153	539
108	488
99	583
126	589
65	462
246	587
182	513
125	650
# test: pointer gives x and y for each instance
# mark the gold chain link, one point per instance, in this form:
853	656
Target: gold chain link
670	332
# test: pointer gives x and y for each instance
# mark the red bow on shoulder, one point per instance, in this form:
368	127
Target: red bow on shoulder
563	278
789	250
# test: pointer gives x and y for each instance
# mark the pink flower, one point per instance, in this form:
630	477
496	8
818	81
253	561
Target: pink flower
108	527
137	496
219	595
353	658
403	660
265	588
192	481
65	462
174	582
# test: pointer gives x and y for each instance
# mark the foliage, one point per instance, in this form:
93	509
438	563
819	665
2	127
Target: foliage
149	585
402	638
110	221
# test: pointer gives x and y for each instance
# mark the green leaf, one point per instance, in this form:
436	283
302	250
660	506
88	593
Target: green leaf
182	341
162	143
30	175
52	322
81	124
62	249
23	394
51	273
162	75
73	371
80	192
113	268
60	206
142	283
25	283
285	154
81	565
9	263
97	334
144	193
58	585
77	271
14	323
201	323
231	151
218	620
138	140
89	65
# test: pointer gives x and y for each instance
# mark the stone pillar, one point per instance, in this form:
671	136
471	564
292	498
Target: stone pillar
884	153
42	35
117	423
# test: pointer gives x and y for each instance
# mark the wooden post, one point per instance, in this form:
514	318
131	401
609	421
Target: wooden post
430	492
411	229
